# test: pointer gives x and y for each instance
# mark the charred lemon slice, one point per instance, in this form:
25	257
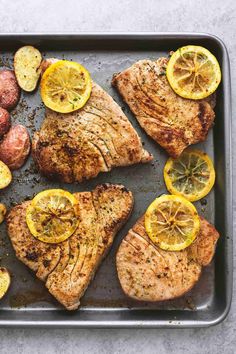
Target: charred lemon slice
192	175
172	222
52	215
5	175
193	72
65	86
5	281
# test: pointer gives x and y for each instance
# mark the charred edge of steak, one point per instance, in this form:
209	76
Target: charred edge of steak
105	186
53	176
203	117
114	77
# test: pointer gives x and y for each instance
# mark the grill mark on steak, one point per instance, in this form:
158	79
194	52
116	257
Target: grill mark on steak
94	246
107	154
60	266
131	245
110	137
103	239
104	119
153	117
161	107
105	124
145	106
101	153
110	112
157	105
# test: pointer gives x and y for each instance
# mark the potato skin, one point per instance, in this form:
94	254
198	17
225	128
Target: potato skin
15	147
9	89
5	121
46	63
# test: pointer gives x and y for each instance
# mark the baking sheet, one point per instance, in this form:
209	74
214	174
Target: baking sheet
28	303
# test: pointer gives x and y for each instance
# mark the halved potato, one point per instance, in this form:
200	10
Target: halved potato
5	281
15	147
27	65
5	175
9	89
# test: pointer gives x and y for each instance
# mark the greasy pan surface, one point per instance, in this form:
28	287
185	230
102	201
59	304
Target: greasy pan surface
28	303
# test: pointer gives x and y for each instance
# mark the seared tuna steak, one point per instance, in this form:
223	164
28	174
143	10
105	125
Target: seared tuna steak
172	121
149	273
68	267
78	145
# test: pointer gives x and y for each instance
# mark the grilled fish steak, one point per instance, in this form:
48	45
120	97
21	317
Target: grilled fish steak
78	145
172	121
149	273
68	267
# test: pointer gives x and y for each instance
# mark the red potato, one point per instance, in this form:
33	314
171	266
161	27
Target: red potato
46	63
9	89
15	147
5	121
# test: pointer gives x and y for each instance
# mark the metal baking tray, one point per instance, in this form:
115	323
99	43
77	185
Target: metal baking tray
104	305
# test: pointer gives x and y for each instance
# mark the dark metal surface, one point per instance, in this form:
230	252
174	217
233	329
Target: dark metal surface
104	304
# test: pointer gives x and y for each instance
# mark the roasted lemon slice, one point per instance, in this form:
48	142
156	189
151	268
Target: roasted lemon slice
52	215
193	72
172	222
5	175
5	281
192	175
65	86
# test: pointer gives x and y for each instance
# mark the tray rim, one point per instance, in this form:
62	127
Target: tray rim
228	195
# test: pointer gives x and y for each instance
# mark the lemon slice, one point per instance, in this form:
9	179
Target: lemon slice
193	72
5	175
5	281
192	175
65	86
3	211
172	222
52	215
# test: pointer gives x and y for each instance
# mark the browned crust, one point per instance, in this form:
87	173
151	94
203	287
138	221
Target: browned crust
67	268
79	145
148	273
172	121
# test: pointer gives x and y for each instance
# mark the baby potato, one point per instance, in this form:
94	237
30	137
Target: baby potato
3	211
46	63
5	121
9	89
5	175
15	147
5	281
27	65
